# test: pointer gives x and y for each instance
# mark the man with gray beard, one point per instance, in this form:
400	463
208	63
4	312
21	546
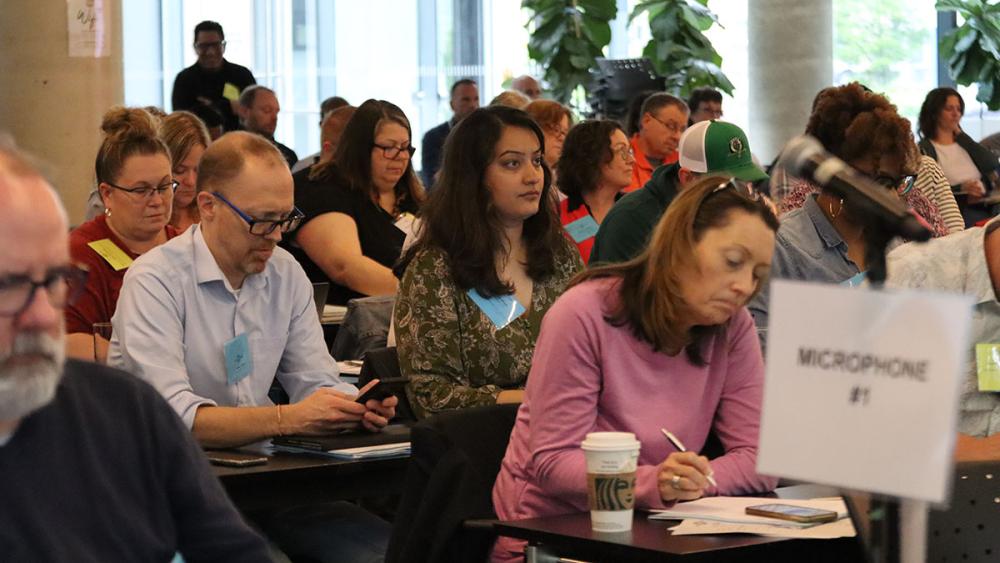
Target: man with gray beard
95	465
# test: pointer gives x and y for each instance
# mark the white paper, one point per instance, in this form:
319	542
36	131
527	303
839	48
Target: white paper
373	452
732	510
88	28
842	528
333	314
349	367
888	429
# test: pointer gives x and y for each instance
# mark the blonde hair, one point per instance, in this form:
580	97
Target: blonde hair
181	131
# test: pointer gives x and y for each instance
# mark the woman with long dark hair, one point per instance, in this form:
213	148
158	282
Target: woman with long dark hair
489	261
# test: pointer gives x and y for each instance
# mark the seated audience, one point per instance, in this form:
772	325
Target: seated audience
969	167
464	100
488	263
95	465
358	206
555	120
932	182
186	138
705	104
511	99
259	114
967	263
662	341
135	182
824	241
528	86
596	165
627	227
662	120
211	318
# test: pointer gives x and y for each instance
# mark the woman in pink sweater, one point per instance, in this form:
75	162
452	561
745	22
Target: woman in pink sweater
662	341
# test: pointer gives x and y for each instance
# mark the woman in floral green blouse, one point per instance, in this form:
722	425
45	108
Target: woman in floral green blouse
490	260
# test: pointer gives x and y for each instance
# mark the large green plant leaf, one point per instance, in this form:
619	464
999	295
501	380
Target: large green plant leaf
972	50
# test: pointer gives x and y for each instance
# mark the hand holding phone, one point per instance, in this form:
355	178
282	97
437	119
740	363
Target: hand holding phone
800	514
373	390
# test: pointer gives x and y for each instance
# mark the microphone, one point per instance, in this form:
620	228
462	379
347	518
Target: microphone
805	157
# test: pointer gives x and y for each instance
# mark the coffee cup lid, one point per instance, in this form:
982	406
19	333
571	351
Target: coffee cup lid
609	441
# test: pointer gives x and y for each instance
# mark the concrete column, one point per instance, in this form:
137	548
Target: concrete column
52	103
791	59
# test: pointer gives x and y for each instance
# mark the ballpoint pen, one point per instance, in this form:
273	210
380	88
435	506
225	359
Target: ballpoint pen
680	447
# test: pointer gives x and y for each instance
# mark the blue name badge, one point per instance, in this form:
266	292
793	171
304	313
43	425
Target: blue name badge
855	280
239	361
502	309
582	229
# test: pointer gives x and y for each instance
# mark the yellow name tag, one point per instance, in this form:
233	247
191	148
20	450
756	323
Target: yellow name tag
988	366
113	255
230	92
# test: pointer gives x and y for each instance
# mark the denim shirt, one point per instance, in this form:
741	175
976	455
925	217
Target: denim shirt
806	248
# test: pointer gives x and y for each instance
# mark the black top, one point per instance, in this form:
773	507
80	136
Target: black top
290	157
108	472
380	239
195	81
430	152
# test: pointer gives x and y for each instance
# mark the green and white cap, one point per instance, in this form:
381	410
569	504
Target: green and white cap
717	146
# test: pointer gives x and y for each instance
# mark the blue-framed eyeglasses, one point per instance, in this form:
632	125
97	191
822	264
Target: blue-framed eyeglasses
264	227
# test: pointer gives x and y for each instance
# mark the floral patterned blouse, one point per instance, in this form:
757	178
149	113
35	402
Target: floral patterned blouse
452	352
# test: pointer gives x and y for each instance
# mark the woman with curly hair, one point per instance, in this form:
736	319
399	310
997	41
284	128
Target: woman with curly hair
488	263
824	240
596	165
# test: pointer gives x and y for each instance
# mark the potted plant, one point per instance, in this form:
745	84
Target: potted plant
972	50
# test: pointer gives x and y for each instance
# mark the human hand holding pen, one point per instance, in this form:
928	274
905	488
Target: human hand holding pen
683	475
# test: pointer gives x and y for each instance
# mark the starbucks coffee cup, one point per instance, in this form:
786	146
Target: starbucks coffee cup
611	461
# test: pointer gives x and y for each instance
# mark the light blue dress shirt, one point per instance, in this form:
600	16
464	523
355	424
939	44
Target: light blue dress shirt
176	311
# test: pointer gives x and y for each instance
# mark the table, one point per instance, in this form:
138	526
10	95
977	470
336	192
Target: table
650	540
288	479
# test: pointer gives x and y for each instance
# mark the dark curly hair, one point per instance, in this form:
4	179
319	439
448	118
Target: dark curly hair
587	147
459	216
854	124
931	109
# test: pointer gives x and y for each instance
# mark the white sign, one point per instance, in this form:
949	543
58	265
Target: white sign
88	28
862	387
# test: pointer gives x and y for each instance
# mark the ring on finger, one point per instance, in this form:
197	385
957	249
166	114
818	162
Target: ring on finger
675	481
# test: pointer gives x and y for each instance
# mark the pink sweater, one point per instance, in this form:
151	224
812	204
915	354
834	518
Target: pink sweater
590	376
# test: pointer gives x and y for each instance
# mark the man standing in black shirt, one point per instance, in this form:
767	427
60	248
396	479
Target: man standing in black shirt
464	100
259	114
95	465
212	82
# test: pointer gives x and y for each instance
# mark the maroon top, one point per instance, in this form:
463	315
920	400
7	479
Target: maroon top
96	304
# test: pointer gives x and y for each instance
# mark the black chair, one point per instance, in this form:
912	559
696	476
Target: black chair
969	530
455	460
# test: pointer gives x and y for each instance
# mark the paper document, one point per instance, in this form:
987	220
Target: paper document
349	367
842	528
732	510
400	449
333	314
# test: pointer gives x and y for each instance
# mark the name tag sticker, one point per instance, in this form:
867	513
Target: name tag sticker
230	92
239	361
113	255
856	280
502	309
988	366
582	229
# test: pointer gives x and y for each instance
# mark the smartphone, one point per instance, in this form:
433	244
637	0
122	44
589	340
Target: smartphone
235	459
799	514
377	391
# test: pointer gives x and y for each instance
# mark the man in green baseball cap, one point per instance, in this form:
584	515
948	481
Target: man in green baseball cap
707	147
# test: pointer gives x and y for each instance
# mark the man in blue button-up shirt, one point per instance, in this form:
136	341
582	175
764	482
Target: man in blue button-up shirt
212	317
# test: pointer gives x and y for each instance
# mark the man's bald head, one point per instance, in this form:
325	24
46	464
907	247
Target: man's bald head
331	130
528	86
224	159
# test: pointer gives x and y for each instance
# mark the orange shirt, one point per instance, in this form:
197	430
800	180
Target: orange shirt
585	230
642	169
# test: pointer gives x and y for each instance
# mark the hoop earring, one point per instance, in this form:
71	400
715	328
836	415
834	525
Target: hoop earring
840	207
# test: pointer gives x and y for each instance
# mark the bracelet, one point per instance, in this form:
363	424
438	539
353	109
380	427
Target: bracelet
280	433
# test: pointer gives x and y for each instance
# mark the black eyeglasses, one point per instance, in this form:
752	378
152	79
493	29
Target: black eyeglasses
62	286
145	192
264	227
393	151
206	45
